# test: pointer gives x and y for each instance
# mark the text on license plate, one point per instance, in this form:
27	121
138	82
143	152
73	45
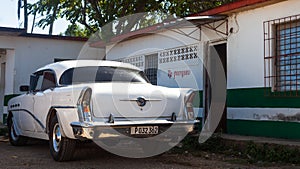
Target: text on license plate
144	130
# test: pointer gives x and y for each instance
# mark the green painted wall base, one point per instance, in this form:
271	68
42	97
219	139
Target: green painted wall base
275	129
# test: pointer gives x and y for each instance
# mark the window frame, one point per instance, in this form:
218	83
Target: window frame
284	77
71	70
281	42
40	75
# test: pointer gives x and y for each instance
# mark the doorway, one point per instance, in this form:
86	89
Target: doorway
218	51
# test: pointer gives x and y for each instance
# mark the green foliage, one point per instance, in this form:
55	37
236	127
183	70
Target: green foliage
190	143
92	15
77	31
271	153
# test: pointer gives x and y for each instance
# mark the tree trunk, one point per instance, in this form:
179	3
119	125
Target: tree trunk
33	22
53	18
25	16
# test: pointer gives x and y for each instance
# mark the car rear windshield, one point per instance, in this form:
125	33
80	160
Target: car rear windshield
95	74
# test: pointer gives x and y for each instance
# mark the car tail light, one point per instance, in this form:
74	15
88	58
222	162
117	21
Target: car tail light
84	105
189	98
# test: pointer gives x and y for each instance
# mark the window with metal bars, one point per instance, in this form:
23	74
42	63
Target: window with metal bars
288	62
282	55
151	65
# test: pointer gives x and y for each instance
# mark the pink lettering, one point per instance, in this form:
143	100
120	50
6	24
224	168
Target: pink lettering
182	73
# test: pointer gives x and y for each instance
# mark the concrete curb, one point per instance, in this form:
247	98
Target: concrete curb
262	140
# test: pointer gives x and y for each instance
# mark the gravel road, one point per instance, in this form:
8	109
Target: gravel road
90	156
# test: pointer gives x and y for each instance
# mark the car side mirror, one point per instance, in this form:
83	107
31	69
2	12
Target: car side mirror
24	88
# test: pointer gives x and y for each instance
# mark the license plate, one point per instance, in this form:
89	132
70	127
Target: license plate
144	130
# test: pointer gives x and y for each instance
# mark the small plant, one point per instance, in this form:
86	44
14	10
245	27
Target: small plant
271	153
191	144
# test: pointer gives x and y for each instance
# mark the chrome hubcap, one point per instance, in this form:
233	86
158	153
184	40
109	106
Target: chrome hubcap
56	139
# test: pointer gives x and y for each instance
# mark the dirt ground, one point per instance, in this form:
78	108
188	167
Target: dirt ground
90	156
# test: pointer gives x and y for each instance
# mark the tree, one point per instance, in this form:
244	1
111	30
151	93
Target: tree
75	30
94	14
25	12
49	10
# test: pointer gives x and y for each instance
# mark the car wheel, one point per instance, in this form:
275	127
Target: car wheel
14	138
61	148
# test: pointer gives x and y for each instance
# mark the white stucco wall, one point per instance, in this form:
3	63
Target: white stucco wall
10	71
245	52
27	54
160	42
149	44
246	44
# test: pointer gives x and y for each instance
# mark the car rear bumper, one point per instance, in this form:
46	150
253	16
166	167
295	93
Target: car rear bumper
84	131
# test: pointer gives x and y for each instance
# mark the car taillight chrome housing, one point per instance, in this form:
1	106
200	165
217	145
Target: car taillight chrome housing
84	105
189	108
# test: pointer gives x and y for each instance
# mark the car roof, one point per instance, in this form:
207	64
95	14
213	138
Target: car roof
60	67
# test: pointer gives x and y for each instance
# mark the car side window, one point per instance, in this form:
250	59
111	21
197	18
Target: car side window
48	80
43	81
39	83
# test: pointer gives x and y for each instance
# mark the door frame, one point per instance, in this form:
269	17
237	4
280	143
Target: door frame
221	49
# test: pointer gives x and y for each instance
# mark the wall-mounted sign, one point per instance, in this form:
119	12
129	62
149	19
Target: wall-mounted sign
178	73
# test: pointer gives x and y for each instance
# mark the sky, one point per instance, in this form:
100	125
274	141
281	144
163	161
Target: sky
9	18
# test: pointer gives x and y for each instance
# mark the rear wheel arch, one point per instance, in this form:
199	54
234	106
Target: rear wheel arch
51	114
9	115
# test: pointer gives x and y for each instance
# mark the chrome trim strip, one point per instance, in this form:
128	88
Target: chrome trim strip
64	107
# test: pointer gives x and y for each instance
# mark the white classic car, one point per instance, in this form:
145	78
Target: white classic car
79	100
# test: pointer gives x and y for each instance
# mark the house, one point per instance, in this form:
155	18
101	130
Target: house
22	53
257	43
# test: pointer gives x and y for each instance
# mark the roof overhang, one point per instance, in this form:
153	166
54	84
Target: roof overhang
190	21
204	19
55	37
199	19
4	31
237	6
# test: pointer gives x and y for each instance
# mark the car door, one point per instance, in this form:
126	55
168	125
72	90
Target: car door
27	119
36	103
43	99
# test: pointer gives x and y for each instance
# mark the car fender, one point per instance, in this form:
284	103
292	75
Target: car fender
65	117
16	127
